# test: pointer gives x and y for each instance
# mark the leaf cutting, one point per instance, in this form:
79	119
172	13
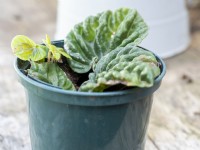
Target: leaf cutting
97	54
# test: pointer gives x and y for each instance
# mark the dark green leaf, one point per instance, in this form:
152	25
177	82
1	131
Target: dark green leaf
50	73
130	66
98	35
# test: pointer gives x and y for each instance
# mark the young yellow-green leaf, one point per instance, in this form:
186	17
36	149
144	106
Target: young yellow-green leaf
39	53
62	52
56	51
48	40
22	47
50	73
26	49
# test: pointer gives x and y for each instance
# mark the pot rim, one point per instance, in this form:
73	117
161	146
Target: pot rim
78	93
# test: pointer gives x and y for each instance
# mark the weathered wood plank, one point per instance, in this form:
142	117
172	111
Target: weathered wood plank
175	121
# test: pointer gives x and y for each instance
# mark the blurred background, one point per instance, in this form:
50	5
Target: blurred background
175	118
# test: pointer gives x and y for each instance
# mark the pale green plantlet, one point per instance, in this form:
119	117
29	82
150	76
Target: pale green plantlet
26	49
49	72
54	53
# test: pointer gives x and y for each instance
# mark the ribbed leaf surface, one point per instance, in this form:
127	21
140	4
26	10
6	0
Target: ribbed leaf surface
130	66
50	73
98	35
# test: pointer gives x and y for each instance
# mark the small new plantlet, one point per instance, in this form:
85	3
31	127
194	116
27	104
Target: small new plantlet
54	53
99	53
43	60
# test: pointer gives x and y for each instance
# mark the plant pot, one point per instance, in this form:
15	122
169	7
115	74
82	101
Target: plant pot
169	32
70	120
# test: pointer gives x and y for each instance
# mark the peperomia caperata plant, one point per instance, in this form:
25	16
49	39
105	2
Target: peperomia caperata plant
100	54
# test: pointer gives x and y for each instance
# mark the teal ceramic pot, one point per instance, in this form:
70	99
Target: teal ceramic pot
68	120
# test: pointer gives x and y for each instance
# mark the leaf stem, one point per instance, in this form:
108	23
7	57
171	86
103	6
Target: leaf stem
49	57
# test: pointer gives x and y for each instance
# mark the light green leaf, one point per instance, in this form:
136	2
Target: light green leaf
26	49
50	73
62	52
56	51
39	53
22	47
48	40
130	66
99	35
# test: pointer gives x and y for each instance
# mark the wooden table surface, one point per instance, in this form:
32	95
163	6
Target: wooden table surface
175	118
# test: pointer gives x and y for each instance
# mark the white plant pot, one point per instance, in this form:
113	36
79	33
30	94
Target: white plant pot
167	19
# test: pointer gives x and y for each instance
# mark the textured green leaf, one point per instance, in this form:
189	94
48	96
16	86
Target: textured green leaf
98	35
50	73
124	54
130	66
